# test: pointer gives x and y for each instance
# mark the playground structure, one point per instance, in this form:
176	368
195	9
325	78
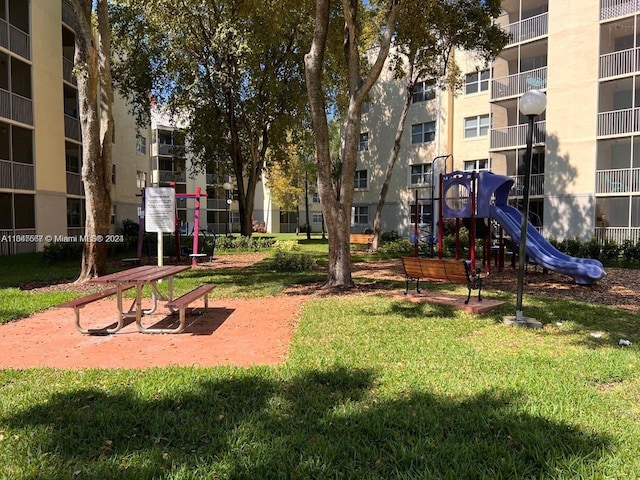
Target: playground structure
472	196
178	230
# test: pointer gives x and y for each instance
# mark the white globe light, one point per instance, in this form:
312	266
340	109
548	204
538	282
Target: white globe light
533	102
226	186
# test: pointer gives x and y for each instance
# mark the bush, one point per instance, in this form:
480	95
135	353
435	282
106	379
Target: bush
591	249
631	252
286	246
402	246
244	243
130	228
610	251
391	236
58	252
292	262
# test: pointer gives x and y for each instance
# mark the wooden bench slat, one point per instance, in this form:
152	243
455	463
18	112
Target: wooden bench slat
189	297
92	297
454	271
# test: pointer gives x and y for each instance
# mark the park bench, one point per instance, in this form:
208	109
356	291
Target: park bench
182	303
454	271
78	303
361	239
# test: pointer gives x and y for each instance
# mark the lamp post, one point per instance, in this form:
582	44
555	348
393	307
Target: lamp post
433	208
532	104
227	189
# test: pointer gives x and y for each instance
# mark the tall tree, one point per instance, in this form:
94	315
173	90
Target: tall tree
357	79
423	51
231	68
95	94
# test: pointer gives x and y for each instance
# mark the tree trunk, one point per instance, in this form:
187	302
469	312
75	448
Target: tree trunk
393	157
337	202
95	92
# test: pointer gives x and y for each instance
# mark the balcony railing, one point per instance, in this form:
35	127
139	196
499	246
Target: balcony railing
74	184
617	8
516	135
617	235
19	42
17	176
12	247
5	175
216	204
623	180
71	127
618	122
4	34
16	107
622	62
67	70
528	28
518	83
168	176
536	187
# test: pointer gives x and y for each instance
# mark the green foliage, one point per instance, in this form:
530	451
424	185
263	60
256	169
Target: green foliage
56	252
390	236
610	251
130	228
245	244
631	251
284	261
400	246
286	246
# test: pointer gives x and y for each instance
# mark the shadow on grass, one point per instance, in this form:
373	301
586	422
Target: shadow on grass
317	424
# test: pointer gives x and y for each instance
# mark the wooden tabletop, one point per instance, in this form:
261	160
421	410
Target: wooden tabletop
143	274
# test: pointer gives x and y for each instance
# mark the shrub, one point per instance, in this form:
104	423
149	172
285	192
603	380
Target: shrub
58	252
591	249
391	236
130	228
610	251
244	243
286	246
292	262
402	246
631	252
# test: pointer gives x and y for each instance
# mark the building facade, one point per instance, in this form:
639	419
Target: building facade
41	192
586	154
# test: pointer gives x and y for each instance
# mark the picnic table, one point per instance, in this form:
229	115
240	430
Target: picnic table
137	278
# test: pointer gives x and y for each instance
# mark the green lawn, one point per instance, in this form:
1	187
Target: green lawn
373	388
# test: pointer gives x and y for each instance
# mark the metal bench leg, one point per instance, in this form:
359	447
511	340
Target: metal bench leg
468	295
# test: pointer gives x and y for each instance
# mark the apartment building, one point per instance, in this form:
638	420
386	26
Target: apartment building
41	193
586	151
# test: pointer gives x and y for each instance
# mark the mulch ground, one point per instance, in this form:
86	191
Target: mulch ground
243	332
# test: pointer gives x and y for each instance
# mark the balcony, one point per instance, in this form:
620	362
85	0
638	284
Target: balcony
516	135
617	234
12	247
67	70
623	62
617	8
15	40
618	122
18	176
16	107
74	184
169	176
536	187
623	180
216	204
518	83
528	29
71	127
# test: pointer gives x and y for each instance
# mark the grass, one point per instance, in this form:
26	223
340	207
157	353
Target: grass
373	388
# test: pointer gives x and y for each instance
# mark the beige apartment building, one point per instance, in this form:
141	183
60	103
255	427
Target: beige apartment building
586	156
41	193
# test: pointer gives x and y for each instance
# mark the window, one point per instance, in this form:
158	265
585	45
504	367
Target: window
424	213
476	82
477	165
423	132
477	126
141	144
420	174
361	178
359	215
315	198
423	91
363	142
113	174
365	107
316	218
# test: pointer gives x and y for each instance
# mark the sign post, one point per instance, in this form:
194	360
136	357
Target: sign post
160	208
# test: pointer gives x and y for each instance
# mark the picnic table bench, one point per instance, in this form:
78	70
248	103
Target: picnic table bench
181	304
454	271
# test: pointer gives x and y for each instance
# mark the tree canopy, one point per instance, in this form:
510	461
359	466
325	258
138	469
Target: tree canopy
231	69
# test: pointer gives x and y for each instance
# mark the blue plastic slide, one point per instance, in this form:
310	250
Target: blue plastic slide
584	271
